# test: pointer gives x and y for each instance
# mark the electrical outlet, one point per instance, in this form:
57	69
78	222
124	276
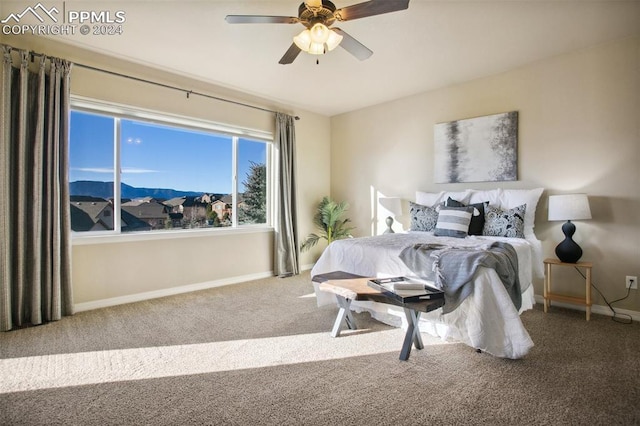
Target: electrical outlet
631	282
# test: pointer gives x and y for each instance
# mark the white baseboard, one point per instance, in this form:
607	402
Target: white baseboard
595	309
306	267
139	297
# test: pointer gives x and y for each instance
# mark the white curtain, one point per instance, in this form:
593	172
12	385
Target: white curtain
286	251
35	256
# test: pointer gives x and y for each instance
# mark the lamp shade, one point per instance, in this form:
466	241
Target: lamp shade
319	33
392	204
334	40
316	49
303	40
569	207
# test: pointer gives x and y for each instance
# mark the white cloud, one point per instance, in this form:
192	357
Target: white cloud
133	170
130	170
92	169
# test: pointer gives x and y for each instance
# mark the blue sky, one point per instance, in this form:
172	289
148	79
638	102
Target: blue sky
155	156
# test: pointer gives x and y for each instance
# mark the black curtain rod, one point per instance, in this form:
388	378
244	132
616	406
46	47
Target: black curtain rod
166	86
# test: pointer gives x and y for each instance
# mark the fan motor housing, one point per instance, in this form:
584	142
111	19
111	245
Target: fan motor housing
309	17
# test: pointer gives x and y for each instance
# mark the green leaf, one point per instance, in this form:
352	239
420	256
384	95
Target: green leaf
328	219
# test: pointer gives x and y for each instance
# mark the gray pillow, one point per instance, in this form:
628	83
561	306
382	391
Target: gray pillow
477	220
453	222
423	218
504	223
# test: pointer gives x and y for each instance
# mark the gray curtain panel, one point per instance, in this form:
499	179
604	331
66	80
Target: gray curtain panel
35	258
286	251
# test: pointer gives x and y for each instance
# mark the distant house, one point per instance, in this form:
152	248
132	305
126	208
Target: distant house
90	214
206	198
96	214
176	219
130	223
224	206
219	207
147	209
193	209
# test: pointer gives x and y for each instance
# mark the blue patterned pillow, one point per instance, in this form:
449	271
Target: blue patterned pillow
423	218
504	223
453	222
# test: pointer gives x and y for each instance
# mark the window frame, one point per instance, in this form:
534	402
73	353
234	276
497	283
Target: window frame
128	112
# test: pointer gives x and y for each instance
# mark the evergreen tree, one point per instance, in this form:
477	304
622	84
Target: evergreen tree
254	209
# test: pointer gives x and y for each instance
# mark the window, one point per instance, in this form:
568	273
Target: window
174	172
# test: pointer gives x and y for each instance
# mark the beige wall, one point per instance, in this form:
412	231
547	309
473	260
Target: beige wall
121	269
579	131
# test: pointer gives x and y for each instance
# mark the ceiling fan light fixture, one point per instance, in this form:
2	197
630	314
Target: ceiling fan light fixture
334	40
316	49
319	33
317	40
318	16
303	40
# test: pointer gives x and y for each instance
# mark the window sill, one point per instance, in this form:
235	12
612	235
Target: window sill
95	238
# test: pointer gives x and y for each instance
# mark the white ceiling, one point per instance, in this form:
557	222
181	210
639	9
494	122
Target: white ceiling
432	44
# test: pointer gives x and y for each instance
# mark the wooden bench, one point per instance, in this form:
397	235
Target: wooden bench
344	313
348	288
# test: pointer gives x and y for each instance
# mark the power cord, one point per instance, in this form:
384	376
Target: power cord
615	318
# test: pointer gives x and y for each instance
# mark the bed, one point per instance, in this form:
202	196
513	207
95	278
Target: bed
488	319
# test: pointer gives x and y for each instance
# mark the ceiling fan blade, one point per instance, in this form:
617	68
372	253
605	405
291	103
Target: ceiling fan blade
260	19
290	55
370	8
353	46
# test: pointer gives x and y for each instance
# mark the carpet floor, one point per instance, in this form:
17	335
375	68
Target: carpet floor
259	353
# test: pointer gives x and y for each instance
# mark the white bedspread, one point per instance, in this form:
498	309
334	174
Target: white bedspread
486	320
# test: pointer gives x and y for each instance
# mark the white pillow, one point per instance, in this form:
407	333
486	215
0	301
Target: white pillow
510	198
429	199
432	199
491	195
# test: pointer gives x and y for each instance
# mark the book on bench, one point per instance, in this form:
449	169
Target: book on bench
405	290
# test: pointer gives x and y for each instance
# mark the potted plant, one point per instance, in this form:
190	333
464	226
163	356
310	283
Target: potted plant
328	219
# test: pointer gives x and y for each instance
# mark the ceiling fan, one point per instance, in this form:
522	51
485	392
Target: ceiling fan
318	16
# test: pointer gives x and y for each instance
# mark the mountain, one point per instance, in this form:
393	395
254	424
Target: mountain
105	190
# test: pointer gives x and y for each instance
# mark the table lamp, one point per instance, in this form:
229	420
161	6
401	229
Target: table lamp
394	206
569	207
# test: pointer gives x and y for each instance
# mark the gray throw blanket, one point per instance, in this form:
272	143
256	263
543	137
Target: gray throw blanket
453	268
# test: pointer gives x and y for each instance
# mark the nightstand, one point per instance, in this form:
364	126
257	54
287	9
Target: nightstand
549	296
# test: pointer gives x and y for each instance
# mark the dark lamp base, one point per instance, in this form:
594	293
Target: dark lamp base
568	251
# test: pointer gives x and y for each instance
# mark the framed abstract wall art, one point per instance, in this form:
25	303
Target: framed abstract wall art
481	149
